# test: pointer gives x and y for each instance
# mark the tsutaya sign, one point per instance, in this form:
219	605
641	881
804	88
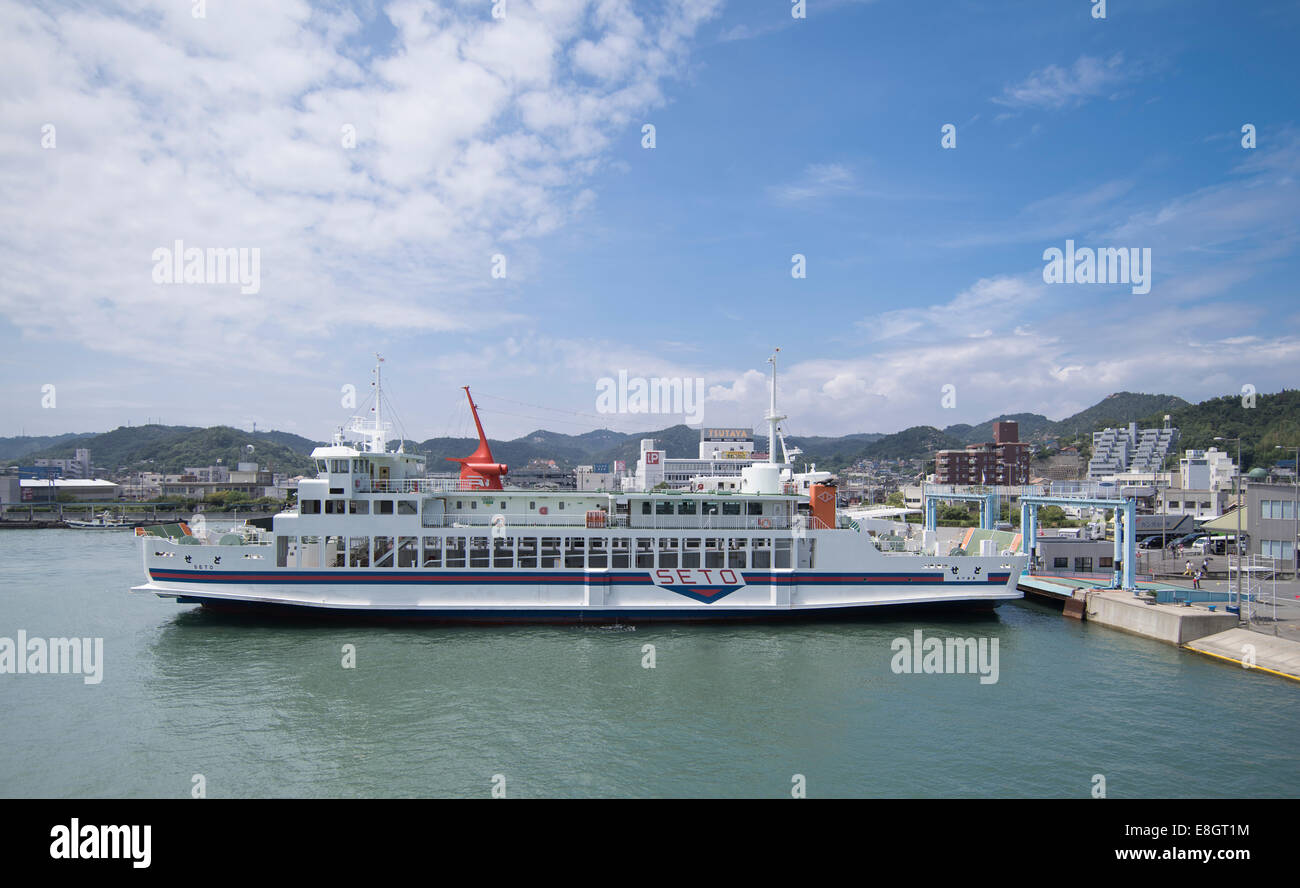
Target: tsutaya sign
1105	265
706	584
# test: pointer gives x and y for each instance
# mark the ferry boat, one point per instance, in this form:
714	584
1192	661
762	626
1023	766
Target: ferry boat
372	536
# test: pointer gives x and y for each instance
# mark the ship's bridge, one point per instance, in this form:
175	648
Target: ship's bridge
343	469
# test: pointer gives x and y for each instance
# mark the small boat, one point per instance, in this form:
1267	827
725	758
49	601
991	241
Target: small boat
105	520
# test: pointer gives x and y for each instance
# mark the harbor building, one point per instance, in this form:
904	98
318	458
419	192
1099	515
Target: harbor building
77	467
1268	518
723	453
1003	461
1117	451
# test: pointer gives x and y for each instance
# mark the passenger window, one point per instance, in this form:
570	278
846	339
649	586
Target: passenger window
432	556
407	551
358	551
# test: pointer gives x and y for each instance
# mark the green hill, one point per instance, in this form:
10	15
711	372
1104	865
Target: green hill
1120	409
170	449
1274	420
16	449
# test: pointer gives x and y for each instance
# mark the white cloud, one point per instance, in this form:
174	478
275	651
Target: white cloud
817	181
1057	87
473	136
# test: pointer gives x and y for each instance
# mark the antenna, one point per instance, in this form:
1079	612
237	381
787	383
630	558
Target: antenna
772	417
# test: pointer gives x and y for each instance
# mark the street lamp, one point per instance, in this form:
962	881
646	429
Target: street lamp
1295	509
1236	543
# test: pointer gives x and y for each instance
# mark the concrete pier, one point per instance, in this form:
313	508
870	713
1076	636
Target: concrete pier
1278	656
1174	623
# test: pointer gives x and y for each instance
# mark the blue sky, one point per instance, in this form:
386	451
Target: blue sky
523	137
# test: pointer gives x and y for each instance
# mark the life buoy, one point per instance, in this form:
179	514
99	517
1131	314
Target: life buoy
765	523
356	484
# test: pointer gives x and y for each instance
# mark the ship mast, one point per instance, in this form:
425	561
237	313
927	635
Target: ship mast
373	431
772	418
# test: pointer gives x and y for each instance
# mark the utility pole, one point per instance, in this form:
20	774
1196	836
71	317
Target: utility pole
1242	615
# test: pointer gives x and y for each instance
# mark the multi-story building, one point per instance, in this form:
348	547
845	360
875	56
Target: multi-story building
1116	451
1206	469
77	467
1004	460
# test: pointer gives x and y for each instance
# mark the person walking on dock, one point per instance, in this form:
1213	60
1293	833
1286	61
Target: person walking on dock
1196	580
1187	569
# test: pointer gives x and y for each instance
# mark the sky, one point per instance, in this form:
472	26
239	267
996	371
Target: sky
469	188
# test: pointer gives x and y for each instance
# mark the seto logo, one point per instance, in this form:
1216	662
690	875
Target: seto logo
706	584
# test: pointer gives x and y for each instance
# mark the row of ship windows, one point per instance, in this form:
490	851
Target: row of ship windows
527	552
409	507
358	507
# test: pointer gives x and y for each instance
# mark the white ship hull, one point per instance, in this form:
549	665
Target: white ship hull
371	538
492	596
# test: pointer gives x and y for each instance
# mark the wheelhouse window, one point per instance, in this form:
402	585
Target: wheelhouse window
309	507
336	507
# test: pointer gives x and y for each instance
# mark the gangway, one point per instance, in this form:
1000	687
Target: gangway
1125	575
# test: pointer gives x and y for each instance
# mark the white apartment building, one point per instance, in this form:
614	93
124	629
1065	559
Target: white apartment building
1206	469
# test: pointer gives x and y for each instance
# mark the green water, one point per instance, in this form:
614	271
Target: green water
265	709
